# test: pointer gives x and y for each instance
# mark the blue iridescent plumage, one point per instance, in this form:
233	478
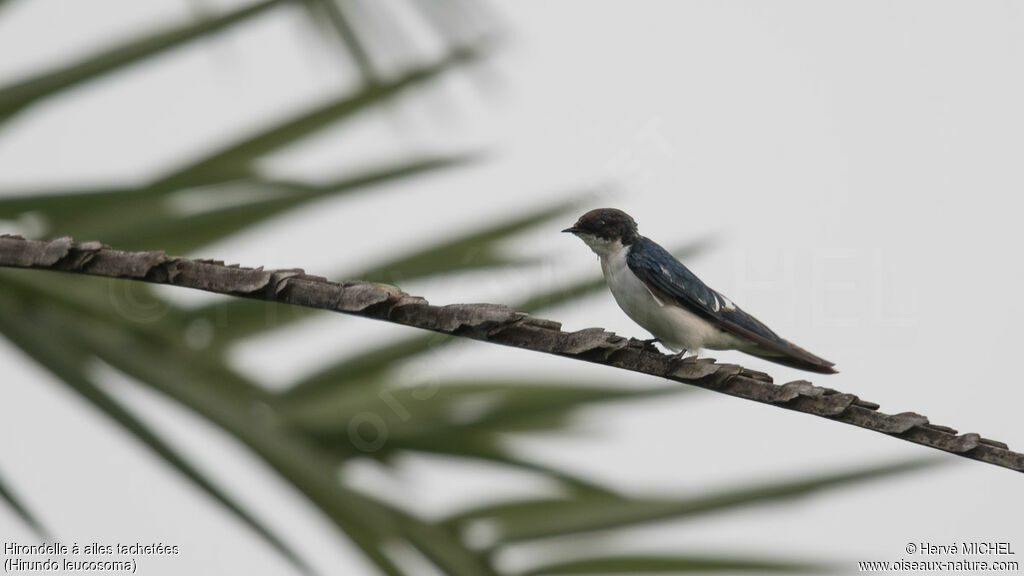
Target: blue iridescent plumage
669	277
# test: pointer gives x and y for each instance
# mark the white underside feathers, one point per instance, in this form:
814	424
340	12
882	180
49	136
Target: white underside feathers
676	327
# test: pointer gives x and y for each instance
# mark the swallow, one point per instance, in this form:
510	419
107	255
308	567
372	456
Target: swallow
668	300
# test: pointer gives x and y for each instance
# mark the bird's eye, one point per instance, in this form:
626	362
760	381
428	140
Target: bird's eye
600	222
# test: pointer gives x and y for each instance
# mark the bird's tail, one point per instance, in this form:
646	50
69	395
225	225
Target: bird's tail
791	355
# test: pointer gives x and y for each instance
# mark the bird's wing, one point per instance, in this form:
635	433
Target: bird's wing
670	281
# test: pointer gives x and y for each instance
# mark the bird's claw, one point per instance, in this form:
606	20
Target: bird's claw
648	344
678	358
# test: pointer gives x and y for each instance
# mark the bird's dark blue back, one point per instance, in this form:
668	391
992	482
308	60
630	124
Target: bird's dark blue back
667	277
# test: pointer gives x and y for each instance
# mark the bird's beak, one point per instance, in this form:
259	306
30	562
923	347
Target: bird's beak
571	230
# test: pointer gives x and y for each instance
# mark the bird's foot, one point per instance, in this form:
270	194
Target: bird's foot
681	356
650	342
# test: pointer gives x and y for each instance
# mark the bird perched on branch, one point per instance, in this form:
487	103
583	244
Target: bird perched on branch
670	302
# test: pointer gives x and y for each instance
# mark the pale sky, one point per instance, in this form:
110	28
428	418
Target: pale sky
856	165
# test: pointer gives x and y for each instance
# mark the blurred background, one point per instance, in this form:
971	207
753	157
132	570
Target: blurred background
846	172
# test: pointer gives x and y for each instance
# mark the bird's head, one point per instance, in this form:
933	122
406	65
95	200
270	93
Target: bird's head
605	230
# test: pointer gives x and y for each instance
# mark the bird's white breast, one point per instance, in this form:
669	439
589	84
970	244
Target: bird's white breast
675	326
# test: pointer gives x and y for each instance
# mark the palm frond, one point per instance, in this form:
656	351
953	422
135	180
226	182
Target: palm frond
44	342
545	518
22	510
334	13
237	319
235	160
657	564
18	96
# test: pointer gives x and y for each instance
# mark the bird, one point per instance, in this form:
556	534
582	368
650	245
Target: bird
668	300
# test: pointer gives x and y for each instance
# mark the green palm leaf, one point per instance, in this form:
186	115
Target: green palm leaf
652	564
229	402
466	419
479	405
235	160
21	510
237	319
16	97
178	235
43	340
557	517
472	250
334	14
